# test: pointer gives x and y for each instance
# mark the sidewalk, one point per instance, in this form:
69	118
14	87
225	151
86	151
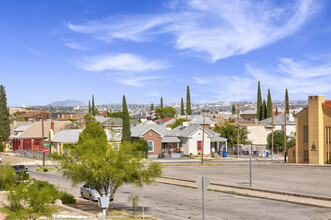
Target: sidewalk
278	196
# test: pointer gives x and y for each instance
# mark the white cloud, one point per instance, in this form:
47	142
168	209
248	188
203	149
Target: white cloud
76	46
137	81
220	28
120	62
200	80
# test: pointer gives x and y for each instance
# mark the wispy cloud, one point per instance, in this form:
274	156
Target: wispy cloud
220	28
200	80
120	62
137	81
76	46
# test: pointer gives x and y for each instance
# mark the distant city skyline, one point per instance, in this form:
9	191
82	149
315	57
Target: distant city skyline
68	50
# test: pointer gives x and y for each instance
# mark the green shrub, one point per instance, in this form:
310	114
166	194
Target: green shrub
67	198
8	177
45	169
31	200
199	153
2	147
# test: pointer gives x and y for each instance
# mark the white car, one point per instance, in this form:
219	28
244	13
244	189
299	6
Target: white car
89	192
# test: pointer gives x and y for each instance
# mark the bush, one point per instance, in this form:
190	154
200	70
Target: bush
31	200
8	177
199	153
2	147
67	198
45	169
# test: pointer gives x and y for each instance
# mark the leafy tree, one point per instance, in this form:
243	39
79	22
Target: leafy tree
269	105
8	177
264	110
31	200
188	102
95	162
4	116
165	112
177	123
126	132
182	110
287	102
152	107
231	120
161	105
229	131
93	107
259	102
278	139
141	145
233	109
88	118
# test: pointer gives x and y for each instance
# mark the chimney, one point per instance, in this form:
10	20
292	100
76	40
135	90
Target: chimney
184	124
70	116
52	125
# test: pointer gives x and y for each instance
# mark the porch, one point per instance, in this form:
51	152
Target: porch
171	148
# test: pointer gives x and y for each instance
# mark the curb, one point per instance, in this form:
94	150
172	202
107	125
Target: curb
76	210
259	190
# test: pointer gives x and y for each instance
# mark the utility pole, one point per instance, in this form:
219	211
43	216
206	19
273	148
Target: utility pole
42	135
203	139
285	132
272	133
237	130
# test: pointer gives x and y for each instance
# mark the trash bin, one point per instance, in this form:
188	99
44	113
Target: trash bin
266	154
225	154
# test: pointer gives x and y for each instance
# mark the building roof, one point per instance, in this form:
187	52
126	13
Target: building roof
170	140
100	119
278	120
249	112
35	129
18	131
193	119
18	124
327	104
117	122
140	129
71	136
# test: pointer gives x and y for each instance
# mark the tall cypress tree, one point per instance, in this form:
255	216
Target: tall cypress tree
4	116
182	111
286	100
161	102
188	102
89	107
93	108
264	110
276	111
233	109
152	107
259	102
126	132
269	105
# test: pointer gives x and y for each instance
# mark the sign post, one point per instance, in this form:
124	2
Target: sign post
46	151
202	183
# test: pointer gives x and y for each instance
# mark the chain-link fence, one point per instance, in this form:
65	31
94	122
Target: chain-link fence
37	154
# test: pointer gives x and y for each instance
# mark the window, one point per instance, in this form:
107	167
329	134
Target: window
151	146
170	146
305	134
199	145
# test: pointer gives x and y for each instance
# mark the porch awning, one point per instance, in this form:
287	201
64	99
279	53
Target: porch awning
218	139
170	140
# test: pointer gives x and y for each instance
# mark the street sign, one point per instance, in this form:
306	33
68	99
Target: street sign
46	150
46	145
202	183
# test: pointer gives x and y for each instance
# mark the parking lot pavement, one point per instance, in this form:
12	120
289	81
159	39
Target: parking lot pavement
312	180
175	202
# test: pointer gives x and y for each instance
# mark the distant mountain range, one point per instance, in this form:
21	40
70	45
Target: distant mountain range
67	103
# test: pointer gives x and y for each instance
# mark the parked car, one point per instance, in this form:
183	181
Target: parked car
0	158
89	192
21	171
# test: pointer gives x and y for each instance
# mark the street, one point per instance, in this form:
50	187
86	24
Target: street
175	202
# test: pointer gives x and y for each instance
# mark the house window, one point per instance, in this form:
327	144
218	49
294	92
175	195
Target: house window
151	146
170	146
199	145
305	134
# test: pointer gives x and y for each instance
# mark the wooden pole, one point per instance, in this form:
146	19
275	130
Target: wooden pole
272	132
203	139
237	130
42	136
285	133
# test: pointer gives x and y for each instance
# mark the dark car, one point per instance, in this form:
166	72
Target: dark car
21	171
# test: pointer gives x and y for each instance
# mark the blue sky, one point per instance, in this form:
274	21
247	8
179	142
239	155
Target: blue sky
58	50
